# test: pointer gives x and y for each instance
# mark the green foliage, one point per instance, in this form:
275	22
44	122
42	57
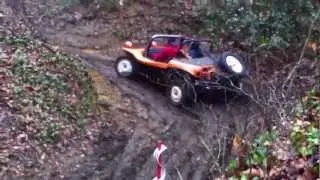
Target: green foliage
244	177
259	152
278	24
232	165
305	135
233	178
305	140
21	41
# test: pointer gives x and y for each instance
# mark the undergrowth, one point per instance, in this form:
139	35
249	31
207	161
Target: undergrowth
277	36
51	92
302	155
264	25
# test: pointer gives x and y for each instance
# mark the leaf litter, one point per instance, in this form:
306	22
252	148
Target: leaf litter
45	103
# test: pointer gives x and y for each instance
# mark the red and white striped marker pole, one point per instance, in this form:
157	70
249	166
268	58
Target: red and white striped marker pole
160	170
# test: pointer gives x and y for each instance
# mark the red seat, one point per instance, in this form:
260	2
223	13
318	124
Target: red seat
166	54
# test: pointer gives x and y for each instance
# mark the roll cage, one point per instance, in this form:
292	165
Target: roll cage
180	40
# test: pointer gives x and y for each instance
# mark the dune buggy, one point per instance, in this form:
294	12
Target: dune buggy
185	66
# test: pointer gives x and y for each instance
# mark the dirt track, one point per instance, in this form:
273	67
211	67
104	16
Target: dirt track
185	132
196	137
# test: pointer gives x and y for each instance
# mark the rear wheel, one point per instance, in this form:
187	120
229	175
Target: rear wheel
180	91
177	94
125	67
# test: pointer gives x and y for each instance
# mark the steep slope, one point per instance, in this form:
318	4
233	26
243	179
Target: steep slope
121	145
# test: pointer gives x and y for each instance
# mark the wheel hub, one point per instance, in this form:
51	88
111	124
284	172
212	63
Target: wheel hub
124	67
176	94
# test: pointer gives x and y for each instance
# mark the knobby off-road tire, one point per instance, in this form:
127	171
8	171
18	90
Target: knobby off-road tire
125	67
180	90
224	65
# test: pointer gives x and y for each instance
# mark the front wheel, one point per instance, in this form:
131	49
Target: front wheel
125	67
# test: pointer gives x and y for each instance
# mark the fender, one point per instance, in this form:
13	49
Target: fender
137	53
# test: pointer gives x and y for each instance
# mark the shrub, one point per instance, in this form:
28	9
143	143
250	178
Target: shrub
279	24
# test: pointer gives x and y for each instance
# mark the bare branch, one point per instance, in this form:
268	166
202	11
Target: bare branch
205	145
179	173
291	74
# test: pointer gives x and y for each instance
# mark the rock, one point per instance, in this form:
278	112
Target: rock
78	16
106	95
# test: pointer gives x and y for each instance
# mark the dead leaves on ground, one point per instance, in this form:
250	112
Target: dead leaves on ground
47	95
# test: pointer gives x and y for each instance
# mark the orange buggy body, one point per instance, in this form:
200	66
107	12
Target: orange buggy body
175	63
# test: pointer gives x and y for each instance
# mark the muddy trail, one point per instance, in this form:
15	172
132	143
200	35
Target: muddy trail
197	138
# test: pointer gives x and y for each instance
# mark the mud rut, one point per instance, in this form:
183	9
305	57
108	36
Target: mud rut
195	138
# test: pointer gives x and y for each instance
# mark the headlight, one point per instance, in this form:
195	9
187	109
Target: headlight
234	64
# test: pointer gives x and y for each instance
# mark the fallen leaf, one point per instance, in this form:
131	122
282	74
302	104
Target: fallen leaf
238	148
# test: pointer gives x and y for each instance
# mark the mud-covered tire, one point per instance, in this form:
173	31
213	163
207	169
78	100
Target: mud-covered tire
177	94
125	67
180	90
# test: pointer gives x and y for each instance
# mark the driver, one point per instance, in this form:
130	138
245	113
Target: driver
168	52
195	50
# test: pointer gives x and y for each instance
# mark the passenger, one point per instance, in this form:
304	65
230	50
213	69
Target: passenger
195	50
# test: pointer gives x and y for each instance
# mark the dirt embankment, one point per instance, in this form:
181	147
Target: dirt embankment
138	113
